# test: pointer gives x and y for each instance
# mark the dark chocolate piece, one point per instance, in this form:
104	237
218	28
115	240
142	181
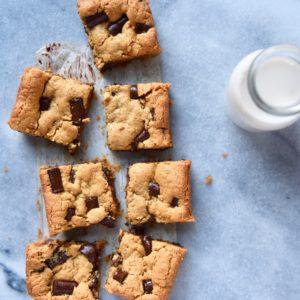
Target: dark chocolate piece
154	189
175	202
39	270
116	27
144	135
55	180
91	203
72	175
77	111
63	287
98	18
90	252
70	213
94	283
148	286
152	112
120	275
141	28
58	258
116	259
45	103
147	243
134	92
108	221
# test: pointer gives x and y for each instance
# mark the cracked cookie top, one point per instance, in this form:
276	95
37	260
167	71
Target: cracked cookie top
63	270
118	30
137	116
52	107
143	269
79	196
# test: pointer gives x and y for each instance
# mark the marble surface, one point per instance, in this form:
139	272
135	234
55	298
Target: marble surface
246	242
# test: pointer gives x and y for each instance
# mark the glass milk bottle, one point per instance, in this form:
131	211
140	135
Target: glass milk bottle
264	89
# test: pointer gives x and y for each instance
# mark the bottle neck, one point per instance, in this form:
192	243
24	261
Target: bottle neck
287	52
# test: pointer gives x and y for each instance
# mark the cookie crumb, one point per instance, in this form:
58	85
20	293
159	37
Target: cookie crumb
208	180
225	155
98	118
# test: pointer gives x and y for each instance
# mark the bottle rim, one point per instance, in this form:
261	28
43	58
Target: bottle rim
286	51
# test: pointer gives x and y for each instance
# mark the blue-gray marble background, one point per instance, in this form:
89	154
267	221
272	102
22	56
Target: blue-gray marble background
246	241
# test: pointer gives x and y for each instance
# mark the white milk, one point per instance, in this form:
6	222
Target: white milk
277	82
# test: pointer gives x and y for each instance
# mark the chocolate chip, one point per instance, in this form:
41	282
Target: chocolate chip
63	287
120	275
154	189
108	221
70	213
98	18
144	135
116	259
152	112
45	103
137	229
91	203
58	258
141	28
116	27
134	92
55	180
72	175
39	270
90	252
148	286
77	110
147	243
175	202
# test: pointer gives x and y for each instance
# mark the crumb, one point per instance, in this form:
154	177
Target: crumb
98	118
225	155
5	169
40	234
208	180
107	258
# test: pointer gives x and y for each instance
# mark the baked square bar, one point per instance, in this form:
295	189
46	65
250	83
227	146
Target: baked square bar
118	30
137	116
52	107
143	269
79	196
63	270
159	192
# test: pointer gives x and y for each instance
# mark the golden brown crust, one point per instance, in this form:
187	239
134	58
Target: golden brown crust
76	267
160	266
55	123
126	45
126	118
89	181
173	178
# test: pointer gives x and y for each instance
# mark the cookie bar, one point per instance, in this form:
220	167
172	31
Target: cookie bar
79	196
118	30
52	107
143	268
63	270
159	192
137	116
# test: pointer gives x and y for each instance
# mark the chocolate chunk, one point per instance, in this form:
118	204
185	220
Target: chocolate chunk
144	135
94	283
116	27
70	213
141	28
108	221
137	229
134	92
77	111
58	258
147	243
152	112
39	270
120	275
55	180
92	21
45	103
63	287
148	286
175	202
91	203
72	175
154	189
90	252
116	259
